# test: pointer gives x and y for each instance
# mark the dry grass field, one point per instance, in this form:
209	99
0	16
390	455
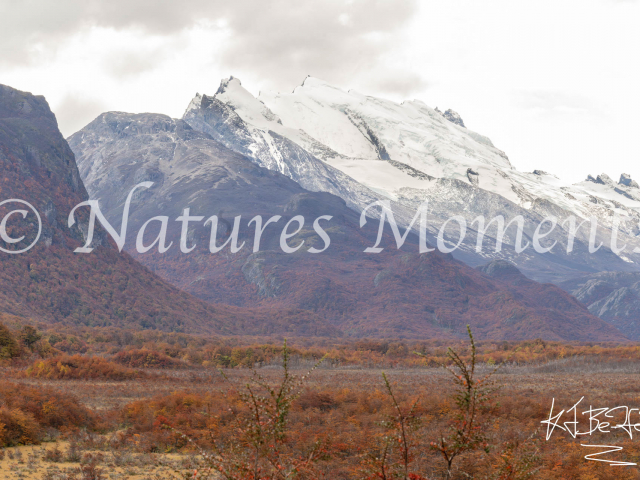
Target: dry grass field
95	406
343	408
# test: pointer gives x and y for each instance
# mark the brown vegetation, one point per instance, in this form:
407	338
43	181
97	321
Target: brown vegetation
346	421
8	345
30	414
144	358
78	367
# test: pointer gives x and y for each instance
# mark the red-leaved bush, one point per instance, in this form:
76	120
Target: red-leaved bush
28	413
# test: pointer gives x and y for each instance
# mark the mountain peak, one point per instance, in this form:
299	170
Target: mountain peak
314	82
454	117
41	151
17	104
310	81
602	179
383	148
625	179
227	83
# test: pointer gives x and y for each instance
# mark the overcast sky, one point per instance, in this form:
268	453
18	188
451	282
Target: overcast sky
554	83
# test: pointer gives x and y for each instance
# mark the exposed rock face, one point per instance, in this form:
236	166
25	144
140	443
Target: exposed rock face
51	283
368	133
363	149
390	294
627	181
613	296
602	179
499	268
473	176
454	117
253	272
270	149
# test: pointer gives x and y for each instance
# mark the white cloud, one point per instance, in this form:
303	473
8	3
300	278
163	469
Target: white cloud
74	112
552	82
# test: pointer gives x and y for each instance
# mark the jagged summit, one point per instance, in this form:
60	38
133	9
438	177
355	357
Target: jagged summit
310	82
340	290
602	179
50	282
364	148
454	117
224	83
626	180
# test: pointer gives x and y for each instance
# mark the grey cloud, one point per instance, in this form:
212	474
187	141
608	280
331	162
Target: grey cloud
24	24
403	84
131	63
74	112
335	40
282	40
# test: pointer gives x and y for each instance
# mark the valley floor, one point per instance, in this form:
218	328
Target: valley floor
343	408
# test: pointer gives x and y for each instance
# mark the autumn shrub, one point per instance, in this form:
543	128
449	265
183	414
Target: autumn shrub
249	352
29	336
18	427
463	433
467	430
396	453
143	358
189	413
320	400
73	453
241	433
54	455
263	447
90	471
29	413
78	367
69	344
9	348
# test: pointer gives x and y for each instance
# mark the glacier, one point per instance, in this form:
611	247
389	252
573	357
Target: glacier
364	148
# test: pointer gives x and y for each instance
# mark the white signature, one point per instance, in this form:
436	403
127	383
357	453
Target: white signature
599	420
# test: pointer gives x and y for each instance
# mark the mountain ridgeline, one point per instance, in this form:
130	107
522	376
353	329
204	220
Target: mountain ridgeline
395	293
51	283
409	153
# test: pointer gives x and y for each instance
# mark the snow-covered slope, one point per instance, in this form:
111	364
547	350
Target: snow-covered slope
396	294
363	148
245	125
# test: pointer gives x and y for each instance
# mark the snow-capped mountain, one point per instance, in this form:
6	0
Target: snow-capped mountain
340	291
364	148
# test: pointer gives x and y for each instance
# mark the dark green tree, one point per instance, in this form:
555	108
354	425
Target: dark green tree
29	336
